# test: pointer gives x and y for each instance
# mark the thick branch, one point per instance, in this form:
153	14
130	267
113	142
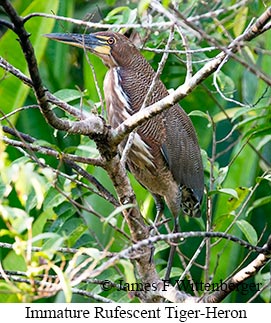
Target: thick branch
139	230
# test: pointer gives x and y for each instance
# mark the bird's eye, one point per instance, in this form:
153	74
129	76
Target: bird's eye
111	41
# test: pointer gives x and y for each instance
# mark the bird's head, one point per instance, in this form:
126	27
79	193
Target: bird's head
113	48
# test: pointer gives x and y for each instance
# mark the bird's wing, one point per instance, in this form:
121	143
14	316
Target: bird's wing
181	151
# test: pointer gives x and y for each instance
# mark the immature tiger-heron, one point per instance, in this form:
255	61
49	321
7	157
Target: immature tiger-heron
165	155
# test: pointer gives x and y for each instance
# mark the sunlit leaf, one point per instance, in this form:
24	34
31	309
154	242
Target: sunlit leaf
64	282
229	191
143	6
225	115
240	21
128	271
18	218
234	202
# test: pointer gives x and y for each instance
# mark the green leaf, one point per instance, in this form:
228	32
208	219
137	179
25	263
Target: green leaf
68	95
38	225
266	177
57	55
147	206
175	272
53	198
258	131
250	83
160	246
265	140
199	113
122	15
45	235
229	191
240	21
12	91
64	282
248	231
229	113
52	243
111	2
31	201
143	6
226	84
221	175
233	203
118	210
128	271
237	196
263	279
100	71
258	203
93	252
73	229
12	260
250	111
18	218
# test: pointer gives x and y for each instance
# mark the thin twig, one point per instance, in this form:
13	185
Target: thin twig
189	68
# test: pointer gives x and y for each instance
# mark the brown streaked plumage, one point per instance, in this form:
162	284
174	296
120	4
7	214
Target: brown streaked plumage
165	155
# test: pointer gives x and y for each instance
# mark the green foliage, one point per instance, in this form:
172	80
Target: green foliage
47	205
15	92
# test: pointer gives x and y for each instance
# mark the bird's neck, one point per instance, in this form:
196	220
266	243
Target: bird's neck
133	83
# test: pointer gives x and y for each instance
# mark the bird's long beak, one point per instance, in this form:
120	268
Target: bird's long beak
91	42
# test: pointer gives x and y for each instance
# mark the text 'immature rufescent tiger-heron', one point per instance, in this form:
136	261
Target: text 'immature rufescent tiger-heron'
165	155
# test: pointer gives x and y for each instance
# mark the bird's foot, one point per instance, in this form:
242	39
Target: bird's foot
153	228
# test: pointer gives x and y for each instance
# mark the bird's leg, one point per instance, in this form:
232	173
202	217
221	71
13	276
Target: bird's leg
173	247
159	210
159	213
